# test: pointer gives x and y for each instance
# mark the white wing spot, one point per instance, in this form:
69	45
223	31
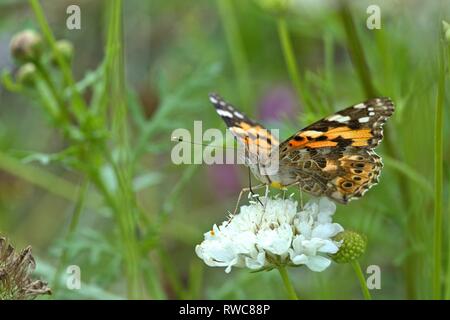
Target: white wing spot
222	103
371	114
363	120
213	100
359	106
237	114
338	118
224	113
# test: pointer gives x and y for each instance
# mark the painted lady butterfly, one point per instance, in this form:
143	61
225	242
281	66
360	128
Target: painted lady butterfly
332	157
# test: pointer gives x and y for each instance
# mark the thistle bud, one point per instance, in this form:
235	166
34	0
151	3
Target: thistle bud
26	46
353	246
65	49
26	74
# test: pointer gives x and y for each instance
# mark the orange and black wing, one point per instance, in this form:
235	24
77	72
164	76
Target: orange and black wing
257	140
334	156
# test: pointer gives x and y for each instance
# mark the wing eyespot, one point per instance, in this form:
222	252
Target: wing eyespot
347	185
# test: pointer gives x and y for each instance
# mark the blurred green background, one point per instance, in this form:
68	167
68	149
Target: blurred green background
161	62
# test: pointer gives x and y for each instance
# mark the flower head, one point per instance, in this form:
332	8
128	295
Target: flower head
353	246
276	234
15	274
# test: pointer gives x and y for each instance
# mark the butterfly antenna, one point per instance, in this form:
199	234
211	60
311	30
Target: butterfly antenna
181	139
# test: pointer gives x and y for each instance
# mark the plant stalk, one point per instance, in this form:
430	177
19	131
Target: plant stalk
362	281
287	283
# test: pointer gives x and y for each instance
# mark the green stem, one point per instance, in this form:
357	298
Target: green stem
289	57
447	291
70	233
78	103
63	114
356	50
126	210
362	281
236	47
445	67
287	283
438	179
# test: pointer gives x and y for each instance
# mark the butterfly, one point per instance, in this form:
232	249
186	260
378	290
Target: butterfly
333	157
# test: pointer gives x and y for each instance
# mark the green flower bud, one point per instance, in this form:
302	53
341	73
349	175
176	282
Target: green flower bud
353	246
65	49
26	46
26	74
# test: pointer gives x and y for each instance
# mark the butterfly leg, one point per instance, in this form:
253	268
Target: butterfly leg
301	196
300	189
255	195
266	194
244	190
250	187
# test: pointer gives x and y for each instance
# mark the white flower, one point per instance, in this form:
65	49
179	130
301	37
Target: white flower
276	234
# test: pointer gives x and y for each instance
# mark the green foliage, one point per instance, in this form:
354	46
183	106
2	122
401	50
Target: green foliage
85	126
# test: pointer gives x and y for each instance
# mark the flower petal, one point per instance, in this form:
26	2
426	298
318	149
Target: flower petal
256	263
318	263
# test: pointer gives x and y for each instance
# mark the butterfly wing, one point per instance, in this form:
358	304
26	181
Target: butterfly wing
257	140
334	156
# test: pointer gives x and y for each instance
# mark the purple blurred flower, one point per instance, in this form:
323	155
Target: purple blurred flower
277	104
225	178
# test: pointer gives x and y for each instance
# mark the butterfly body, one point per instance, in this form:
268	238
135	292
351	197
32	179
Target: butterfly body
333	157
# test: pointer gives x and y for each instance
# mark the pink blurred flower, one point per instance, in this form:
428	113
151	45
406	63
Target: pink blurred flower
277	104
225	178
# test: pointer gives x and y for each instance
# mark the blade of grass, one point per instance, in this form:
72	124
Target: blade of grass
356	50
447	283
78	209
291	63
409	172
195	279
237	51
438	177
40	178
